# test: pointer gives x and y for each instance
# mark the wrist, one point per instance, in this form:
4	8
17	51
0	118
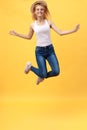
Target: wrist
16	34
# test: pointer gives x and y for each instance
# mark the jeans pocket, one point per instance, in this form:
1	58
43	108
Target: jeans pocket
51	48
38	50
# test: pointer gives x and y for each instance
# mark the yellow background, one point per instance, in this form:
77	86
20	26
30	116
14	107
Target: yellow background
58	103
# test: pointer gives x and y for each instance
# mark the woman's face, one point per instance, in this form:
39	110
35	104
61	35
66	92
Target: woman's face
39	11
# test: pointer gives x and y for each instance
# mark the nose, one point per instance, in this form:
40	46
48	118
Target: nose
39	11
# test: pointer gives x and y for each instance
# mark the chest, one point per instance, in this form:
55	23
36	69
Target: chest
45	28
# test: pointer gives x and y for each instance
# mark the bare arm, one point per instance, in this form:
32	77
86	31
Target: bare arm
28	36
60	32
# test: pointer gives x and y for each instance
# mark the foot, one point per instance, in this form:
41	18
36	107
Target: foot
27	68
39	80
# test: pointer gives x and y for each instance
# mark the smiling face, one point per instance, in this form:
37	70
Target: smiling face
39	11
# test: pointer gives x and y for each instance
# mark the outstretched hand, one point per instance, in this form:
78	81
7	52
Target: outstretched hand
77	28
12	32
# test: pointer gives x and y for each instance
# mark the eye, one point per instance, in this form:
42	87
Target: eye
42	9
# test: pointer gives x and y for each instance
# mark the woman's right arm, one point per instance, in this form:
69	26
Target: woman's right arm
28	36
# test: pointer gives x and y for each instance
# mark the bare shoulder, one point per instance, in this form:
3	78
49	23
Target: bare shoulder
50	23
32	26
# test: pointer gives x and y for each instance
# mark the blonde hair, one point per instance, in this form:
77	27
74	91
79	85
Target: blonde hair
42	3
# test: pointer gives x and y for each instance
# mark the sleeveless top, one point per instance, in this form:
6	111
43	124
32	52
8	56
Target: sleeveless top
42	34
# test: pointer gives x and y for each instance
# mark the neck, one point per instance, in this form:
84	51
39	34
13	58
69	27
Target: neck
40	19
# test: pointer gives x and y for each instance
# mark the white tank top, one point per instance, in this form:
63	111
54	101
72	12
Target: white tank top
42	34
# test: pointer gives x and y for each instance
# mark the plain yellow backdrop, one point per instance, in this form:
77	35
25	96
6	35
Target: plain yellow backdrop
58	103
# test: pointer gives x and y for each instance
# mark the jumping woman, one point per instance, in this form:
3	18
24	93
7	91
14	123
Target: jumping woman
44	47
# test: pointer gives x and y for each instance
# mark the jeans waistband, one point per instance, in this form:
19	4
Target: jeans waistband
44	47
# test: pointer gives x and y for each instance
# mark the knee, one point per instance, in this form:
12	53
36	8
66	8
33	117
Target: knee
56	72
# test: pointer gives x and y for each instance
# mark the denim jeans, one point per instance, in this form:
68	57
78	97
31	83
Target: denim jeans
43	54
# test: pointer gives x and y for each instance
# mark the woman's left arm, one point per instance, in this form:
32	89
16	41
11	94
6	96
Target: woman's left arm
60	32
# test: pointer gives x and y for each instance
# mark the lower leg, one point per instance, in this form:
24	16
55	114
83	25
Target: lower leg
53	62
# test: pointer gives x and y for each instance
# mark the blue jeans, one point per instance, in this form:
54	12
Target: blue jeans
43	54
